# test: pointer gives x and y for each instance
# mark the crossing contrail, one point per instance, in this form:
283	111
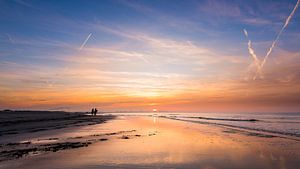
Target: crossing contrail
287	21
259	66
251	50
87	38
252	53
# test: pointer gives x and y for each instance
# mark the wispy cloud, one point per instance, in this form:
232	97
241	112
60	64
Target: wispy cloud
142	55
256	21
24	3
221	8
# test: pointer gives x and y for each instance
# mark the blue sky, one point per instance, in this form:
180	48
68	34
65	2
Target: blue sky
172	46
211	23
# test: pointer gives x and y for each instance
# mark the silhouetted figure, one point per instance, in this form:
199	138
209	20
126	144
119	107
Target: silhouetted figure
95	112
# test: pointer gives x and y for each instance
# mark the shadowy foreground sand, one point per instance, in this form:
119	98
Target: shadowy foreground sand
145	142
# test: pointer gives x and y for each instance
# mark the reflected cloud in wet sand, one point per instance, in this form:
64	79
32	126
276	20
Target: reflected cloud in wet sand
164	143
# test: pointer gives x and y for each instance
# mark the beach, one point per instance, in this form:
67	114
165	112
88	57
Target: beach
149	84
148	142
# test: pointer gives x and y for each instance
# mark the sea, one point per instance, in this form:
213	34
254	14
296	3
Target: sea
286	124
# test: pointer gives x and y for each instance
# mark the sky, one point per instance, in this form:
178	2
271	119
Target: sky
126	55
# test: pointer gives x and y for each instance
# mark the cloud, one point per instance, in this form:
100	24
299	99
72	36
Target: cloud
83	85
256	21
221	8
22	2
164	19
136	68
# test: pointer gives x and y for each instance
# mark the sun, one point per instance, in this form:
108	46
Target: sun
154	110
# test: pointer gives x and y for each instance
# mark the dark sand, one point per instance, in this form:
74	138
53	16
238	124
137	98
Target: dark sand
21	132
17	123
145	142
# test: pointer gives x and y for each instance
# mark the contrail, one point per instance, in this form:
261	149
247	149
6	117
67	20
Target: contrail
287	21
251	51
246	33
87	38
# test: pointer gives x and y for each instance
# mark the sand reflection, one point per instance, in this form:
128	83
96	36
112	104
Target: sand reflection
164	143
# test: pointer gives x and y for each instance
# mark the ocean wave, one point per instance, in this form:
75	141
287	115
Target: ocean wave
275	133
225	119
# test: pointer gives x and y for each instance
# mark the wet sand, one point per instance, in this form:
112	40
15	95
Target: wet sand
152	142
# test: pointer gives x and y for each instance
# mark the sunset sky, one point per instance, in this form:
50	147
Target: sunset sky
143	55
